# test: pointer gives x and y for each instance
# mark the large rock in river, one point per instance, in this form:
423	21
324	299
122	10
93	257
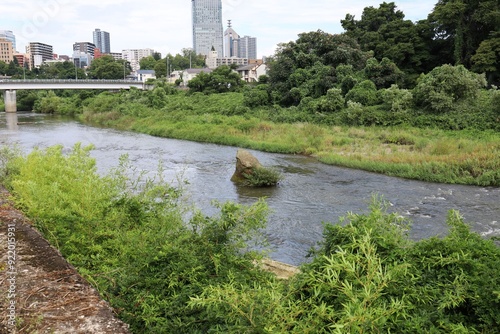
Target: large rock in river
245	164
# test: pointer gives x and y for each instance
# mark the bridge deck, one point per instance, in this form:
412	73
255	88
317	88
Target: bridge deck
70	84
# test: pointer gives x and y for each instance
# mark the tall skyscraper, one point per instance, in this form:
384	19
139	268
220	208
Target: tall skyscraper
9	35
101	41
231	40
207	26
248	47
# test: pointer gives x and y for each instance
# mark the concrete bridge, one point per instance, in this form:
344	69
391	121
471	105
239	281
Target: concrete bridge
10	86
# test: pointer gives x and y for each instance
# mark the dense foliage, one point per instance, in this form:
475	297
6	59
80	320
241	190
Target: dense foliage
166	274
262	177
220	80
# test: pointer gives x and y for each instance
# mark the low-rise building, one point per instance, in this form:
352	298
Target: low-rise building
213	60
6	51
144	75
186	75
252	72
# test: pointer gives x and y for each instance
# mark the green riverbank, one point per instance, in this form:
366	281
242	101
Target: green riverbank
434	155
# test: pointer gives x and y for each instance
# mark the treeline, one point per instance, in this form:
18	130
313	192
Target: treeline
165	273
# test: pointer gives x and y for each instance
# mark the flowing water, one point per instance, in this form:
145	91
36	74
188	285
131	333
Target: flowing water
311	192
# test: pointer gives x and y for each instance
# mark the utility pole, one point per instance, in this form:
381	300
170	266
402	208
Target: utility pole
167	75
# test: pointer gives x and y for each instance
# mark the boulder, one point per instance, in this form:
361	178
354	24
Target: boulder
245	164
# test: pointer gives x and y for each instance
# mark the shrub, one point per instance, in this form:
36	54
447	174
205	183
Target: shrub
255	97
440	90
364	92
262	177
331	102
398	100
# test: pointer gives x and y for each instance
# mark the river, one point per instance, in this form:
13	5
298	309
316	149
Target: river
311	192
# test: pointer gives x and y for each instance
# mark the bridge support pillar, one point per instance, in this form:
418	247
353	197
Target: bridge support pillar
10	100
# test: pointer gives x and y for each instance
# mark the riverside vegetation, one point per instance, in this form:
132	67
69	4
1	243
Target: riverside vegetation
165	273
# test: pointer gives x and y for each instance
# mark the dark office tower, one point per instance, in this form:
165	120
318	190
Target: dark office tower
101	41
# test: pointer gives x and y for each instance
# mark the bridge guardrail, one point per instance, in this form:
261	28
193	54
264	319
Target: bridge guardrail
89	81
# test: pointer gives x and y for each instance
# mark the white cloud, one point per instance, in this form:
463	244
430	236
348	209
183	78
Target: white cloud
166	25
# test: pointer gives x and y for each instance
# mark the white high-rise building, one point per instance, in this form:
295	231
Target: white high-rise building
134	56
207	26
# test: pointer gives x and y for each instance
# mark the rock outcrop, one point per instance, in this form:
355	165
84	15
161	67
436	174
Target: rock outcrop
245	164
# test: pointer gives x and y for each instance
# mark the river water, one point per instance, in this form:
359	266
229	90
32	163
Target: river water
311	192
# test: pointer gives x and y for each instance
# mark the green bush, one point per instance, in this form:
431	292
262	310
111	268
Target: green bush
364	92
255	97
440	90
396	99
333	101
262	177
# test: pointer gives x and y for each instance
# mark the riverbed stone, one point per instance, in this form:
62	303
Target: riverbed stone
245	164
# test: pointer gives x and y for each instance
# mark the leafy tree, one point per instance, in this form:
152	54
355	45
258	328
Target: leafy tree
3	68
256	96
306	67
465	24
384	31
333	101
107	67
160	69
487	58
396	99
157	56
384	73
221	80
147	63
440	90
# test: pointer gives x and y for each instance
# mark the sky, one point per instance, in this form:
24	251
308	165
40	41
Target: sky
165	25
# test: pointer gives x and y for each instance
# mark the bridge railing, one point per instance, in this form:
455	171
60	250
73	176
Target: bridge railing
66	81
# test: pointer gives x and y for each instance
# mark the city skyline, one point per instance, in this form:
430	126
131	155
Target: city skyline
166	26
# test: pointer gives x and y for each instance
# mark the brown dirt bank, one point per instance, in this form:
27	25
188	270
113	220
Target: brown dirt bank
40	292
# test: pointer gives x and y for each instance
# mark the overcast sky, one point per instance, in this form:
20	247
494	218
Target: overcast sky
165	25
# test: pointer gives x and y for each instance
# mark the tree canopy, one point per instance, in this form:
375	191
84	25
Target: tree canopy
306	67
107	67
222	79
